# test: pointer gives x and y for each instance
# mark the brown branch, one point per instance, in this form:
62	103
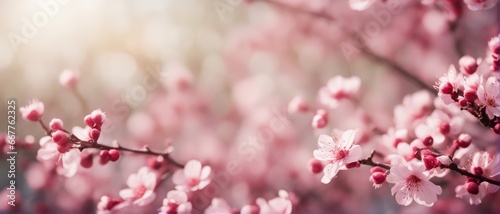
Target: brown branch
369	161
81	145
454	167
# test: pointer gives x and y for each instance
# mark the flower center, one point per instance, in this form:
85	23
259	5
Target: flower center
140	190
413	182
491	102
339	154
192	181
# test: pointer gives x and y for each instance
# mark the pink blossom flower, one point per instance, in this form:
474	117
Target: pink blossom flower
480	4
448	84
176	202
220	206
337	152
278	205
67	159
193	177
360	4
488	94
141	187
33	111
439	125
69	78
413	108
337	89
483	163
411	183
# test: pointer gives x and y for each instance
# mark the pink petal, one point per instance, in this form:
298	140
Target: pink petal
178	196
348	138
404	197
326	142
205	172
127	194
360	5
323	155
192	169
147	198
355	154
179	178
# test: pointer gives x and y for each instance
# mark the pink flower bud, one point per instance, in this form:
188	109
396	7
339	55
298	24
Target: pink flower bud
378	177
88	121
496	128
98	117
377	169
430	162
56	124
156	162
114	155
315	166
320	120
69	78
94	134
104	157
477	170
298	104
463	102
60	137
86	160
472	188
470	95
428	141
444	128
33	111
464	140
446	88
468	65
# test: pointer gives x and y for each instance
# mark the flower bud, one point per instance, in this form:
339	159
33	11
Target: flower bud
496	128
60	138
86	160
470	95
477	170
430	162
315	166
468	65
446	88
69	78
94	134
298	104
428	141
250	209
378	177
88	121
98	117
114	155
464	140
320	120
33	111
56	124
104	157
472	188
444	128
377	169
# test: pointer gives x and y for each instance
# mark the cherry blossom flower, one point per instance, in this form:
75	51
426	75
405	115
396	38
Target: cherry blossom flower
480	4
219	205
33	111
337	152
413	108
439	125
489	95
193	177
337	89
278	205
411	183
176	202
68	159
486	166
141	187
449	84
69	78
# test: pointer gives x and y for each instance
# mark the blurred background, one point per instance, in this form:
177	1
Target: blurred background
208	76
